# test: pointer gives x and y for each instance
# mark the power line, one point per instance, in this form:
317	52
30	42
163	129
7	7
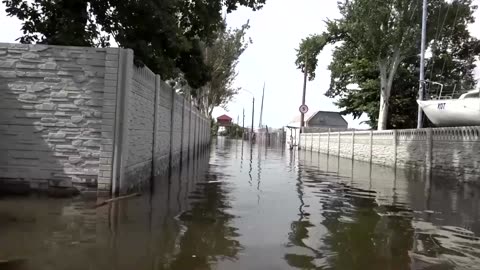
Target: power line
451	33
438	33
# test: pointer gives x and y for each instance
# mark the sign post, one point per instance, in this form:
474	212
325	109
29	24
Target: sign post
303	110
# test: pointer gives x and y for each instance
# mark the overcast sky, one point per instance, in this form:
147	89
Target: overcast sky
276	31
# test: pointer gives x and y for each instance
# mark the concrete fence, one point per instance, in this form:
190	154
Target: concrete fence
270	137
88	118
453	151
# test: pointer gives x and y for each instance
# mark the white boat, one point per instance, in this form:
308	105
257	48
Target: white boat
464	111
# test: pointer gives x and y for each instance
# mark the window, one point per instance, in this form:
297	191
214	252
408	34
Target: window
471	95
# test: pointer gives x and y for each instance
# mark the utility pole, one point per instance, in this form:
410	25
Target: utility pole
302	117
243	123
261	108
253	115
421	88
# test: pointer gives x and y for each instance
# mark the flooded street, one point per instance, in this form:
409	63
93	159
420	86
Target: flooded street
242	207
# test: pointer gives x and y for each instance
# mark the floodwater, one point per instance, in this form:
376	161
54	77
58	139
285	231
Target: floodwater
242	207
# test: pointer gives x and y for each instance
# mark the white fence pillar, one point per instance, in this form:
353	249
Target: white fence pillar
338	148
428	154
394	147
319	142
328	142
371	146
353	144
311	142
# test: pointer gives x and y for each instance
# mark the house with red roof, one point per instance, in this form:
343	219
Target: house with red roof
224	120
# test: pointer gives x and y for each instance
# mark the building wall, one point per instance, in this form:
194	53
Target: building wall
87	118
324	129
453	151
327	120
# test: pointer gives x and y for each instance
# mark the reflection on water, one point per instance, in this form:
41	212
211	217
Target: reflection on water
242	207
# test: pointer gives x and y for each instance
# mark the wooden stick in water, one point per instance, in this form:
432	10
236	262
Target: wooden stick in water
117	199
17	263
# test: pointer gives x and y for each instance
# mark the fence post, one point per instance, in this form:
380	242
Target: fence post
319	140
172	116
194	146
197	129
338	148
353	143
371	145
328	143
124	84
201	134
311	142
155	125
299	143
190	129
182	142
428	156
395	148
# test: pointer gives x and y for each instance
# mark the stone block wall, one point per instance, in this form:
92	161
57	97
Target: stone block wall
55	105
138	129
412	147
163	128
346	144
383	147
187	107
452	151
177	130
315	142
157	131
191	135
195	133
363	146
458	149
87	118
333	145
324	142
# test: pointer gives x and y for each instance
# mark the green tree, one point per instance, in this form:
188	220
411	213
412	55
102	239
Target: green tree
378	52
166	35
222	55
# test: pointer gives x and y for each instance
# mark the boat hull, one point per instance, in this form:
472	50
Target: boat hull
452	112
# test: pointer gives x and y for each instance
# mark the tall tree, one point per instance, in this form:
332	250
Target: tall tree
166	35
222	55
380	43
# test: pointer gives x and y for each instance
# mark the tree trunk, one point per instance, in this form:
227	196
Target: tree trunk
383	110
383	114
202	100
386	82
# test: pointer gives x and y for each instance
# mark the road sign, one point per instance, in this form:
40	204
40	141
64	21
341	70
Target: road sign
303	109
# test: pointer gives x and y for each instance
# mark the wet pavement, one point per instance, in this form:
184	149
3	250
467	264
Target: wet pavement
242	207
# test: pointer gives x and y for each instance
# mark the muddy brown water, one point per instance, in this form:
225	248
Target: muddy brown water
243	207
